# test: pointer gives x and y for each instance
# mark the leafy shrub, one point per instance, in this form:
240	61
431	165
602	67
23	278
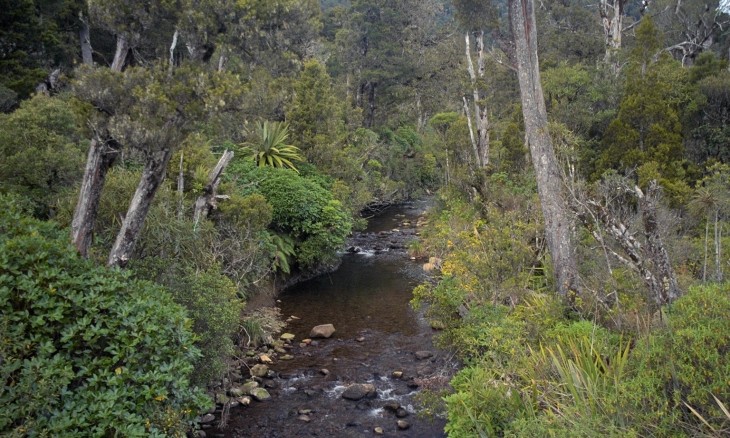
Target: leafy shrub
305	210
86	351
685	362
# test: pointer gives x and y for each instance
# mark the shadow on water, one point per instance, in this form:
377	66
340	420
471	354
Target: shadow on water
378	333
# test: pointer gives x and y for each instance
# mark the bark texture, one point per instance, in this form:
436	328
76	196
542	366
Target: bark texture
152	176
207	201
480	109
85	41
99	159
558	223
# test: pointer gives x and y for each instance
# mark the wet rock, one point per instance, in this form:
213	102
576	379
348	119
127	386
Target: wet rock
260	394
391	406
270	384
401	413
304	418
403	424
378	430
259	370
359	391
287	357
264	358
354	249
324	371
248	387
310	392
322	331
360	339
397	374
305	411
236	391
207	418
280	350
245	400
288	337
314	343
422	355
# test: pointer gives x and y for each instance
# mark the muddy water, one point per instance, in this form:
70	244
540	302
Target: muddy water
367	300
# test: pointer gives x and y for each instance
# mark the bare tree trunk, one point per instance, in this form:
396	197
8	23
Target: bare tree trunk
718	247
612	17
668	288
98	161
85	41
550	188
480	110
152	176
471	130
707	236
120	55
173	46
206	201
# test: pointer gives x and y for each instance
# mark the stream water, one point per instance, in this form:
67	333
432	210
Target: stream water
377	335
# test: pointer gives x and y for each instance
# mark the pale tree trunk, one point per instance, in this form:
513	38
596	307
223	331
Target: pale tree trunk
707	236
558	224
480	110
99	159
207	201
668	288
85	41
471	130
120	55
152	176
718	248
612	17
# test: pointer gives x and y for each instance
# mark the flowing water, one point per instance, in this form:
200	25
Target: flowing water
378	333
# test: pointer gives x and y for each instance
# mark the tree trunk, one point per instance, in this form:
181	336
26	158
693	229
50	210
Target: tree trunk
99	160
120	55
85	41
152	176
612	17
480	110
668	288
206	201
471	130
550	188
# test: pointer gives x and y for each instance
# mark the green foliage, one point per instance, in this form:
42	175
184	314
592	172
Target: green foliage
42	152
87	351
214	308
302	209
268	148
684	362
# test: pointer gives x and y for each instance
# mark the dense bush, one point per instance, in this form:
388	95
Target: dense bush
86	351
304	209
684	364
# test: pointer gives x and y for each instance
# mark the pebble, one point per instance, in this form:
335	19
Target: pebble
360	339
378	430
397	374
304	418
287	357
324	371
403	424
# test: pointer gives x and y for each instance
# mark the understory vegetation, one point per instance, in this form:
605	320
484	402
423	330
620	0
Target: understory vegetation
163	164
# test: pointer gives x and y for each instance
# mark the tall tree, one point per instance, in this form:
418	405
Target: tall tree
558	221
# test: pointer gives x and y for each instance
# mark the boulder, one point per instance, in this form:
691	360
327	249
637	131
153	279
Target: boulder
359	391
260	394
322	331
259	370
422	355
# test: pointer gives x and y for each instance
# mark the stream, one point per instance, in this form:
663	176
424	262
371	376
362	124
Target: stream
377	337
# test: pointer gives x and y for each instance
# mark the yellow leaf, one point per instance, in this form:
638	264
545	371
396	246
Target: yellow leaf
118	370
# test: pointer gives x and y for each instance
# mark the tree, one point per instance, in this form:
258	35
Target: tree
558	222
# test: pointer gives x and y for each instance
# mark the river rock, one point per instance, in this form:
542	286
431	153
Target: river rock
248	387
391	406
422	355
236	391
403	424
207	418
259	370
324	371
287	357
264	358
260	394
288	337
397	374
245	400
322	331
359	391
401	413
305	418
378	430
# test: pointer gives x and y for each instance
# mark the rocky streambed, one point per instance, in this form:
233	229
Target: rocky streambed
363	378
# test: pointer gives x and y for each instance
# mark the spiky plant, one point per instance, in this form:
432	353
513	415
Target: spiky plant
268	146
